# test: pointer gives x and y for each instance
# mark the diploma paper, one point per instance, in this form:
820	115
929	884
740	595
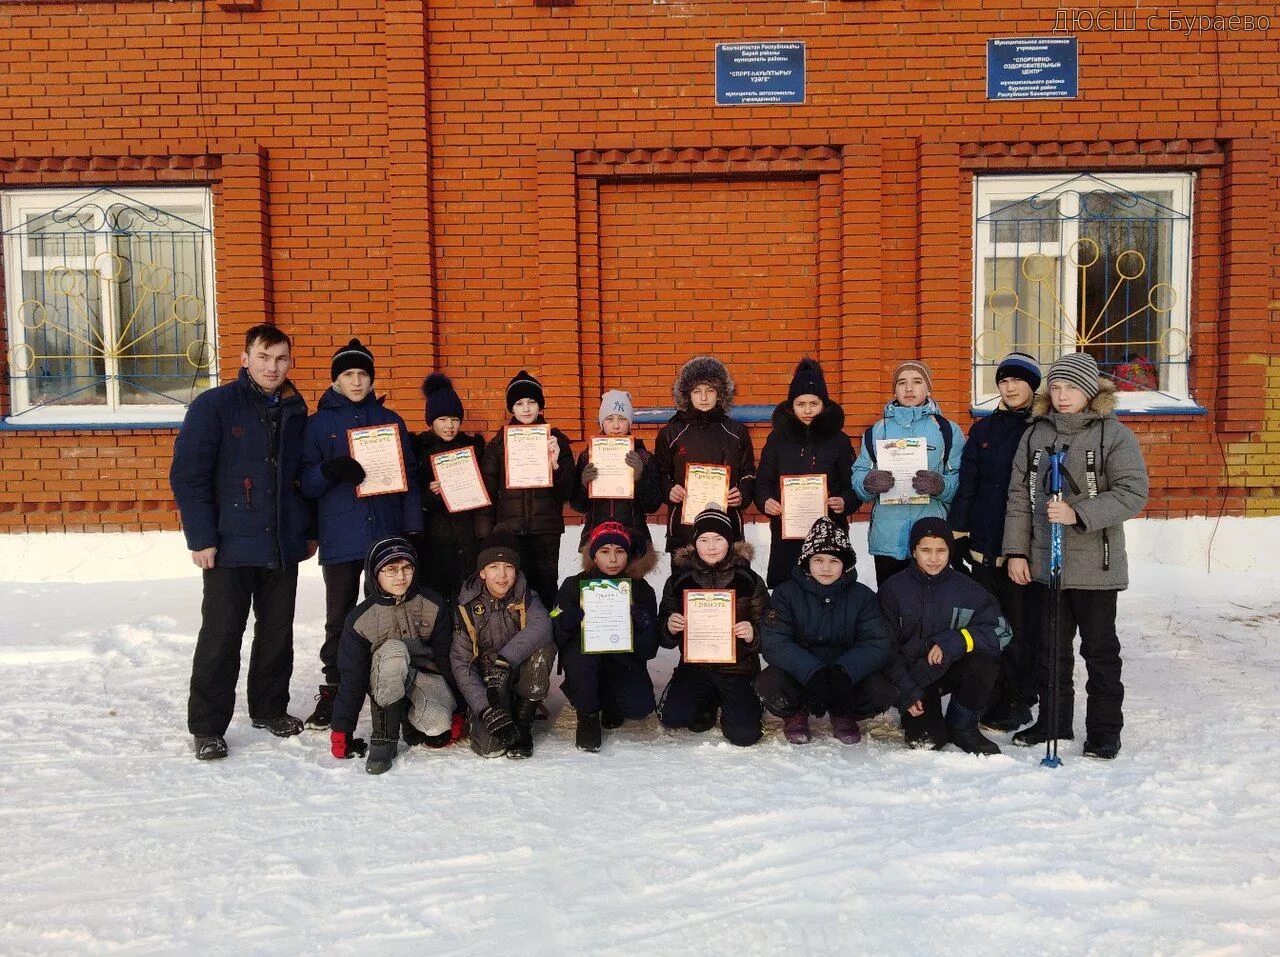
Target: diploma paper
459	476
903	458
377	449
606	616
708	627
527	464
616	479
704	485
804	501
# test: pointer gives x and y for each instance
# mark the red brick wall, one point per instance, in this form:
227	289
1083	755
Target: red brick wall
482	185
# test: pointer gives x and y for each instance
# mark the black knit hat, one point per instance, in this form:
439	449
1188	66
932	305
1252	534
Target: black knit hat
388	550
714	519
932	527
827	538
524	386
808	380
351	356
499	546
442	400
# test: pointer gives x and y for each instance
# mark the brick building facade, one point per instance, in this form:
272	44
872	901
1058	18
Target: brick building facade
489	185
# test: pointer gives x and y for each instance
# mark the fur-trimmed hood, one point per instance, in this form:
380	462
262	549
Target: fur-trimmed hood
1104	403
825	425
638	567
698	370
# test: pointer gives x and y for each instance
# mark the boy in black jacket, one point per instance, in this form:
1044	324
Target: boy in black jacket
610	688
949	633
717	560
395	648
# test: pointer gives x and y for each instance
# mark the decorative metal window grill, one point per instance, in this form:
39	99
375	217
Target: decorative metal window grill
1086	264
110	303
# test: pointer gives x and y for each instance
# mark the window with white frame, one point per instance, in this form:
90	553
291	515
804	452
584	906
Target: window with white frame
109	299
1098	263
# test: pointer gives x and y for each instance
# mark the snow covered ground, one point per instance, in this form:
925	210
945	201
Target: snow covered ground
114	839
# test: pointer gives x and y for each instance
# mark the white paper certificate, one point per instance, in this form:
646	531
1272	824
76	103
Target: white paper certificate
704	485
708	627
616	479
459	476
377	449
527	464
606	616
903	458
804	501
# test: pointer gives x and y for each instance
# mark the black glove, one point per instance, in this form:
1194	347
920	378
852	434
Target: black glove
497	721
497	681
641	620
817	692
636	461
590	472
927	483
343	470
878	481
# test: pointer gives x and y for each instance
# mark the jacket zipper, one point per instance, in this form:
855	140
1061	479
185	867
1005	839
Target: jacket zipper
248	493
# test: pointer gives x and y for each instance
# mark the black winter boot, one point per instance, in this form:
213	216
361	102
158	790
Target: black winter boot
703	721
1039	733
282	725
588	735
384	739
962	731
611	717
210	747
523	715
1009	714
927	732
1105	746
323	715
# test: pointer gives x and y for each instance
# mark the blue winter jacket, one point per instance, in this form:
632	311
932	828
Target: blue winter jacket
349	524
891	524
233	489
811	625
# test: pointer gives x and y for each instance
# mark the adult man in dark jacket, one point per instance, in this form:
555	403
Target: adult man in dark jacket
235	473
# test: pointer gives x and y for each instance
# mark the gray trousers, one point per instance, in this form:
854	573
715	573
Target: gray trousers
532	683
392	677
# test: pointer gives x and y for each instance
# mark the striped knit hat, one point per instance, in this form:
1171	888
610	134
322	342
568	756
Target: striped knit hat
1019	365
914	365
353	355
390	550
714	519
1078	369
525	386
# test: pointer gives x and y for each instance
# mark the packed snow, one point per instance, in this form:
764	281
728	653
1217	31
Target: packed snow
116	840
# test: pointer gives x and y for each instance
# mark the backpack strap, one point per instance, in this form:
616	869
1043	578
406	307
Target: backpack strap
471	630
869	443
947	437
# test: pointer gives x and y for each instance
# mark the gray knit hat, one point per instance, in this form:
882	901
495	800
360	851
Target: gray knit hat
1077	369
616	402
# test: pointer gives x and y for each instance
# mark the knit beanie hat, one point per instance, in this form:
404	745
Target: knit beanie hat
808	380
1078	369
714	519
351	356
1019	365
498	546
389	550
609	533
442	400
827	538
524	386
616	402
932	527
914	365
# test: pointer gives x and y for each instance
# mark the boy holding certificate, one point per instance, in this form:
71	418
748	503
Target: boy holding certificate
528	469
823	638
449	537
502	650
351	424
606	627
713	607
702	454
908	466
617	477
804	469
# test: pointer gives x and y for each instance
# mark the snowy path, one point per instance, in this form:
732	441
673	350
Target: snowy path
116	840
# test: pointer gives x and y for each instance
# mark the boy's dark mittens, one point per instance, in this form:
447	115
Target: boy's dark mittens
497	681
343	469
878	481
927	483
590	472
636	461
641	620
497	721
342	745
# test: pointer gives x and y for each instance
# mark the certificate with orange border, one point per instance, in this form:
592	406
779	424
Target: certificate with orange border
804	501
616	479
704	485
709	617
526	463
461	486
377	448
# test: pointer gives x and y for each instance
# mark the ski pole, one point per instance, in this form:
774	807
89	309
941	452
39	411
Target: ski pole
1057	463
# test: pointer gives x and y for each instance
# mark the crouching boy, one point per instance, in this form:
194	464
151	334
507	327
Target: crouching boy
607	688
716	560
394	648
823	638
502	651
949	635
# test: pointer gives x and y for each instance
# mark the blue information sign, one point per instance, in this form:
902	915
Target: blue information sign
749	74
1032	68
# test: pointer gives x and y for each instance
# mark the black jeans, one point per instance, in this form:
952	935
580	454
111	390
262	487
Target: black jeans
968	681
540	562
613	682
341	592
696	689
784	696
229	593
1093	613
1020	605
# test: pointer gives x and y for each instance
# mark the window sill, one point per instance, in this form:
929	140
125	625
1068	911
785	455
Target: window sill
1181	410
746	414
60	420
